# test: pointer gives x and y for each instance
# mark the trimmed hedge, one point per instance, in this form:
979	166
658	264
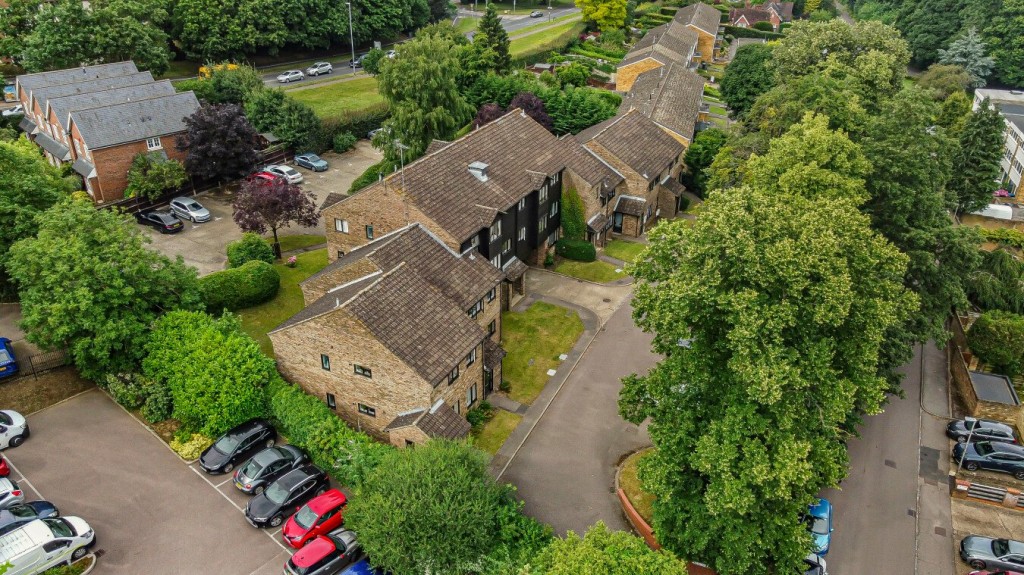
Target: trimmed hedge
738	32
584	50
1005	236
579	250
250	247
559	43
251	284
371	175
357	123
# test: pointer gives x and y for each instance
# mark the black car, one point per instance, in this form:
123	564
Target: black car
284	496
17	515
979	430
991	455
164	222
236	445
266	466
327	555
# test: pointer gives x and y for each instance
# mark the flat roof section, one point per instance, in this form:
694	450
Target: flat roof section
994	388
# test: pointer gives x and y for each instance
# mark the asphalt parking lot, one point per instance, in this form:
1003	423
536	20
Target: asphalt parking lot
203	245
152	513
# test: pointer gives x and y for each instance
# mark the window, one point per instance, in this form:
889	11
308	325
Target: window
506	246
341	226
476	309
554	209
493	293
471	358
325	362
369	232
453	375
496	262
474	242
78	147
495	230
363	371
471	395
544	193
522	234
522	204
330	401
650	186
367	410
492	327
153	143
541	224
1017	166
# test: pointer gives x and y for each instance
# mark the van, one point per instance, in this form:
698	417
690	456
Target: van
45	543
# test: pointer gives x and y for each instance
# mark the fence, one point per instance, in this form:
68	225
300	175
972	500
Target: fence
1006	497
42	362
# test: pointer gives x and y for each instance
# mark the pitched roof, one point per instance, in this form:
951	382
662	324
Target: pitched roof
134	121
56	149
332	198
64	105
515	149
69	75
700	15
784	9
493	353
639	143
589	167
440	421
671	42
436	146
45	93
670	96
631	205
331	300
752	15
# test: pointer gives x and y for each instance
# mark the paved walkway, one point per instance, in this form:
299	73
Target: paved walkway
602	299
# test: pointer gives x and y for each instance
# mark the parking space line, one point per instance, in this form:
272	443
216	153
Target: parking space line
272	536
274	533
23	478
223	482
276	540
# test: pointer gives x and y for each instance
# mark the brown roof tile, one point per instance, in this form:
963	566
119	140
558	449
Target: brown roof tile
753	15
701	15
493	353
405	419
631	205
670	95
332	198
589	167
441	422
672	42
639	143
436	146
330	301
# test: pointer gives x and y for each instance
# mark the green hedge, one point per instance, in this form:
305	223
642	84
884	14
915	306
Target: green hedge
250	247
579	250
251	284
357	123
585	50
1005	236
559	43
371	175
738	32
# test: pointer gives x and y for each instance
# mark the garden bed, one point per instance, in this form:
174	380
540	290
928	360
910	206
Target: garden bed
28	394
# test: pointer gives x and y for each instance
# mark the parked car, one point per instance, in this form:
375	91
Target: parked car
8	363
319	68
311	161
991	455
17	515
236	445
362	567
986	553
323	514
44	543
10	493
266	466
164	222
814	565
290	76
189	209
18	110
290	174
13	429
391	54
819	523
262	176
979	430
286	495
536	14
5	469
326	555
996	573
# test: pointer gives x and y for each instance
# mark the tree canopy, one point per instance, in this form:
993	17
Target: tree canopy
976	161
747	76
261	206
152	174
607	14
220	142
968	52
608	552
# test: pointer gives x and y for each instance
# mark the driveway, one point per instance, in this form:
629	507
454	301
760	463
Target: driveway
565	470
203	245
152	514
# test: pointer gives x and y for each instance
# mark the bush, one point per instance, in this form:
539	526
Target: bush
192	448
579	250
159	403
764	26
995	338
481	415
126	389
574	225
253	283
250	248
344	141
684	203
370	176
1005	236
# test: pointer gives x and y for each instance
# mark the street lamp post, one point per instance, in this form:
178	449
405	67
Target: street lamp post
351	38
970	433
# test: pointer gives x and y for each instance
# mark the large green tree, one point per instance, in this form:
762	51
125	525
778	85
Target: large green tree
491	35
89	283
699	156
292	121
748	76
608	552
607	14
968	52
928	26
1003	35
944	79
151	175
976	169
995	338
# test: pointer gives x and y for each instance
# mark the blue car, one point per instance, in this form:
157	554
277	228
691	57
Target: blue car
819	523
311	161
361	567
8	367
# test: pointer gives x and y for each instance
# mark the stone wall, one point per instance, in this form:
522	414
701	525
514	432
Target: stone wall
400	436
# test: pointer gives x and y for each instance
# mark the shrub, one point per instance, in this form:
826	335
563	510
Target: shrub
574	225
1006	236
579	250
192	448
684	203
481	415
251	247
764	26
506	385
126	389
253	283
737	32
995	338
159	403
371	175
344	141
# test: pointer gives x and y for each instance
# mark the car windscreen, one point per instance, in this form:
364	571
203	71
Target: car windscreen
276	493
4	356
226	444
819	525
193	207
983	448
313	158
59	527
305	518
22	511
6	419
1000	547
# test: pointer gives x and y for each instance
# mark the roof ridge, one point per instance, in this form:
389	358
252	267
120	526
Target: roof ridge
147	84
139	101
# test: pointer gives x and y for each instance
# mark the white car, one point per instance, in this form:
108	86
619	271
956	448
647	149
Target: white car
189	209
15	111
290	76
45	543
10	493
13	429
290	174
319	68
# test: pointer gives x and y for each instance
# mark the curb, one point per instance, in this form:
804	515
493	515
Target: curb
614	283
147	428
95	560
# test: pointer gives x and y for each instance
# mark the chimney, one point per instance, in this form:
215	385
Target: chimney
479	171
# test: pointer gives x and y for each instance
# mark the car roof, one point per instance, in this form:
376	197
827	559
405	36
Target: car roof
247	427
313	551
6	484
821	508
1006	447
361	567
329	500
296	476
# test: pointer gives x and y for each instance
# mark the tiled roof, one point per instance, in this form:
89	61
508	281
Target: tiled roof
675	187
493	354
64	105
589	167
784	9
515	269
332	198
441	422
330	300
672	42
405	419
26	125
670	95
40	79
56	149
700	15
639	143
631	205
134	121
441	186
82	167
44	94
753	15
436	146
598	223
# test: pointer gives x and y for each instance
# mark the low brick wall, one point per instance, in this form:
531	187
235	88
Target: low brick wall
637	522
961	378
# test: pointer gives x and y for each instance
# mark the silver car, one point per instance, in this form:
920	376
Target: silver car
290	174
189	209
987	553
10	493
319	68
290	76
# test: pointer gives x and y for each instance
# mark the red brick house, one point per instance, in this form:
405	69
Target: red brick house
775	13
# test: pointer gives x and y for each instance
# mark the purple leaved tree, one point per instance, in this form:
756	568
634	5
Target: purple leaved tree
533	106
487	113
262	205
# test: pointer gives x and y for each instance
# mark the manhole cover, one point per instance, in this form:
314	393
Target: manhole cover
941	531
911	513
890	463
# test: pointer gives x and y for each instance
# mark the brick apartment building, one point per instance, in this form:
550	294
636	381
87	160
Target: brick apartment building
399	336
1010	104
597	184
672	97
687	40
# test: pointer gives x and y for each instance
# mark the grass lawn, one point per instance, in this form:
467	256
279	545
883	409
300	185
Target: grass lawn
596	271
493	434
629	483
29	394
257	321
719	110
331	100
720	122
289	243
526	43
542	22
466	25
180	69
534	339
623	250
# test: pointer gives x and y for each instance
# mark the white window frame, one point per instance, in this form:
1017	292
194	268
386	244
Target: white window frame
522	234
496	261
492	294
506	245
476	309
325	362
495	230
471	358
522	204
471	395
341	225
154	144
453	375
554	209
367	410
544	193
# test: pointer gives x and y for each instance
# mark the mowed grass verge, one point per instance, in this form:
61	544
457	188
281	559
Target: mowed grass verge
623	250
334	100
531	42
258	320
596	271
534	339
629	482
492	435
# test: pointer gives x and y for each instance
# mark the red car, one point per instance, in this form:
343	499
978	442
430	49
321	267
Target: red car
266	177
995	573
318	517
5	469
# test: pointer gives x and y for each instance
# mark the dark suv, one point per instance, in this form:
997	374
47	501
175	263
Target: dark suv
979	430
236	445
991	455
286	495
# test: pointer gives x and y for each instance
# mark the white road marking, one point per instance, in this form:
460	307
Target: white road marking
23	478
235	505
223	482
